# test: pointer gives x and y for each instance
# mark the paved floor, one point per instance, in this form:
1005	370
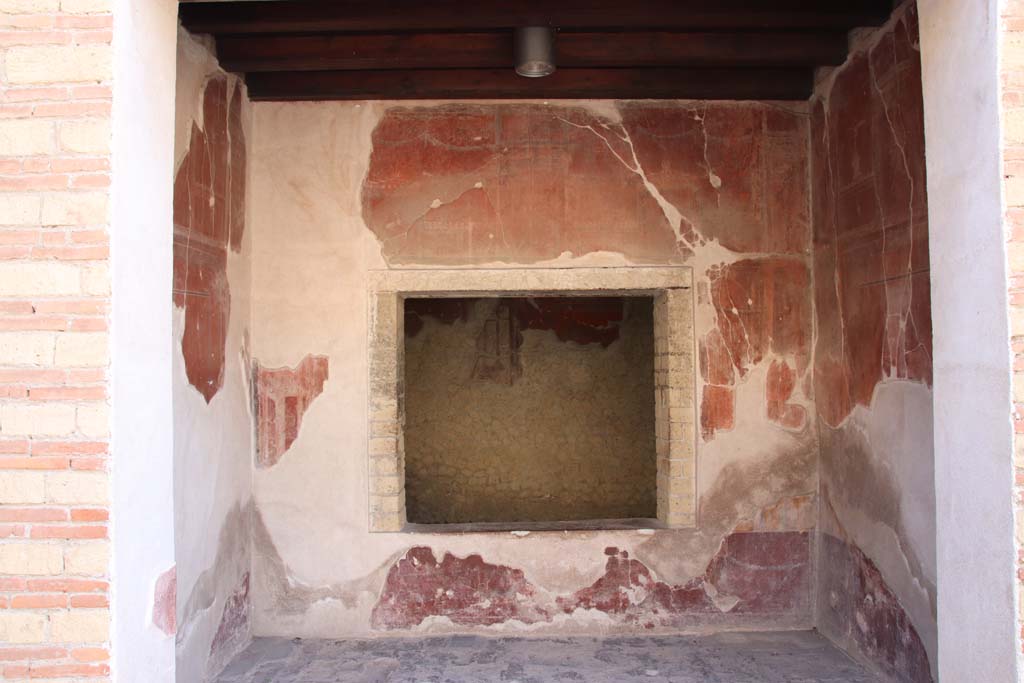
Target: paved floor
795	657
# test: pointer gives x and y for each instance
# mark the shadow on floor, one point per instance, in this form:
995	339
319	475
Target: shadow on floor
784	657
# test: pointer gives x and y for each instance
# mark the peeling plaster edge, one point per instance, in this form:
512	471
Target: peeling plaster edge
859	44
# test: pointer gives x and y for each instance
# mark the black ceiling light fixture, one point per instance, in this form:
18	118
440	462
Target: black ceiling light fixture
535	51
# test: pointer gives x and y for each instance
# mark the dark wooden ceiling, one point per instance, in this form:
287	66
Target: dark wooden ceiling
458	49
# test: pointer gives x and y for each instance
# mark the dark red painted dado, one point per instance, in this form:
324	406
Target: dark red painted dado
468	591
752	573
870	613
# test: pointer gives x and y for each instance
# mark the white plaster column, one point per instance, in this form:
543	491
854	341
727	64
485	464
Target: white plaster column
973	431
145	39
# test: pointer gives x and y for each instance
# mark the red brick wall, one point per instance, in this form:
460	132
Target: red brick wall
55	101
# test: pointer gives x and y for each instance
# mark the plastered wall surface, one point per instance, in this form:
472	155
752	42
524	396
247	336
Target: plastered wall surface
211	383
873	366
341	189
529	410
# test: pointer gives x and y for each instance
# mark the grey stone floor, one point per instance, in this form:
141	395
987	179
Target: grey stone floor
793	657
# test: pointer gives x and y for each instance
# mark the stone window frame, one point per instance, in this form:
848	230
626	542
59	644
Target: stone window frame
671	288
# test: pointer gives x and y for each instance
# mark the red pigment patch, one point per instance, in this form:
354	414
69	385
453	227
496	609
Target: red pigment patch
715	360
757	573
717	410
446	311
234	621
629	590
282	397
165	601
209	215
762	306
583	320
468	591
870	612
779	389
798	513
738	172
521	183
871	226
752	573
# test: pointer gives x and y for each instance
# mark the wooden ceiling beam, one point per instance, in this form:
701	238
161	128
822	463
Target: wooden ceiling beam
494	50
292	16
740	84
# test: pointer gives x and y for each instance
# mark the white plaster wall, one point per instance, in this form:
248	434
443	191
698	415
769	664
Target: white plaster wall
213	447
312	254
973	433
142	533
879	467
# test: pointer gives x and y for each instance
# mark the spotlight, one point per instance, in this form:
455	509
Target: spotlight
535	51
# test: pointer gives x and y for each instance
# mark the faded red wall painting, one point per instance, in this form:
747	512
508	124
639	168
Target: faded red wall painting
752	573
282	397
871	226
873	318
869	612
165	598
524	183
656	182
234	621
209	217
762	311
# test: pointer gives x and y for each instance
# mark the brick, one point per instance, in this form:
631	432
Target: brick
94	21
90	654
40	463
34	21
89	601
34	38
94	393
76	488
51	419
22	627
75	208
33	514
46	279
90	515
14	446
86	6
96	280
39	601
30	559
69	447
80	626
94	419
22	137
88	558
26	348
85	137
29	6
22	487
79	164
64	671
69	532
58	64
66	586
95	464
20	209
81	349
16	654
